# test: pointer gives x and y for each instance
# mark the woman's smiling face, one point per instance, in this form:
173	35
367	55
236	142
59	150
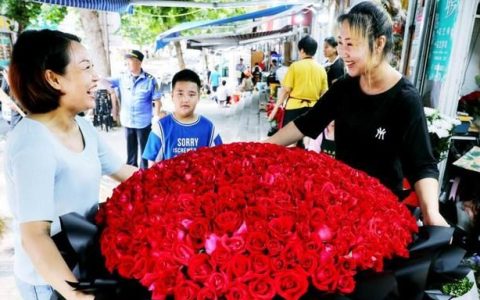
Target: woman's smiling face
353	50
79	82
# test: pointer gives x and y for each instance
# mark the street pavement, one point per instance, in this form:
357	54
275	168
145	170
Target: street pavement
240	122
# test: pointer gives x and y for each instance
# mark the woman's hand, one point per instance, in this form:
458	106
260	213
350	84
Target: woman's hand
435	219
273	113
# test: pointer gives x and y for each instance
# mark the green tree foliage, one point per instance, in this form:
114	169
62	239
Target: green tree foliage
27	13
143	26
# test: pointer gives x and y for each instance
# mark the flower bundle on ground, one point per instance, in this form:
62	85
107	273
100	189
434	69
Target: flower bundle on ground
251	221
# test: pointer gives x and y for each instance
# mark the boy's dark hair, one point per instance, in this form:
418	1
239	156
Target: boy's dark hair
188	76
35	52
309	45
224	82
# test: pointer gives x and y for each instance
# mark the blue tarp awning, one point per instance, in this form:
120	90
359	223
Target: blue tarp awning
165	37
107	5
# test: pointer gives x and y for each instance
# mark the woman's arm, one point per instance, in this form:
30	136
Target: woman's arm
47	259
124	173
427	191
286	136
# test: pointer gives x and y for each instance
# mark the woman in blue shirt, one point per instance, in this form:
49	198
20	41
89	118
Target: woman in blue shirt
54	159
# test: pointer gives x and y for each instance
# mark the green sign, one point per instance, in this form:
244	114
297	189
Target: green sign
441	47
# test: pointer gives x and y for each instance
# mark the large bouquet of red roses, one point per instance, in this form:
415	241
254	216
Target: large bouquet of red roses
251	221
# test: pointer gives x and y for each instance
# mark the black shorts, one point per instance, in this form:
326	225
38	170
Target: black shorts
292	114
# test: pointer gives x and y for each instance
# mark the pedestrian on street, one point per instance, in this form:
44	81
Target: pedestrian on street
334	63
304	83
380	125
54	158
214	79
140	99
239	68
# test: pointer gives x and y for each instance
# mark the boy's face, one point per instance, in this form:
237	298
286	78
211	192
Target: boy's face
185	98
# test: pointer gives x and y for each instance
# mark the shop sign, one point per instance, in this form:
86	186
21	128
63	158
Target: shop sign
441	46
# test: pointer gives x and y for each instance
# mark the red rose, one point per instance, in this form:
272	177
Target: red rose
279	264
309	262
325	278
292	253
257	224
314	244
291	284
196	243
256	241
199	228
206	294
346	284
142	266
238	266
227	222
200	268
281	227
303	230
221	256
126	268
163	284
182	253
164	260
274	247
261	287
187	290
234	243
318	217
260	264
218	282
237	291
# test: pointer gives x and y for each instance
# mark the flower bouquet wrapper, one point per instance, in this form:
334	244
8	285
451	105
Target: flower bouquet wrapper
151	232
78	242
432	261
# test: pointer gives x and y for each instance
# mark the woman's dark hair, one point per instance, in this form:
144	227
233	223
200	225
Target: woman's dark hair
309	45
35	52
186	75
331	41
370	21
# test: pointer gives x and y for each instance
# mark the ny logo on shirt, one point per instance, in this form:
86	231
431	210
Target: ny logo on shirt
381	133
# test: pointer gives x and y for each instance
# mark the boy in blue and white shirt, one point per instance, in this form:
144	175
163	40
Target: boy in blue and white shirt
183	130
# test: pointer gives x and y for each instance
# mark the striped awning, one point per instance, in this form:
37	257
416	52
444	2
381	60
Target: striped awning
106	5
165	37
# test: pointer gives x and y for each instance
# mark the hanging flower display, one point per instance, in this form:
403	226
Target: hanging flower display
251	221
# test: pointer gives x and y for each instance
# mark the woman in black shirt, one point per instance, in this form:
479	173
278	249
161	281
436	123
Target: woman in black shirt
380	125
334	64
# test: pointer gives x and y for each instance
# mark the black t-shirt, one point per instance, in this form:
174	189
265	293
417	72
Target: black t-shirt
335	71
384	135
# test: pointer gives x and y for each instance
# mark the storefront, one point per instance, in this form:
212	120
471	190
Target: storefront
7	37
